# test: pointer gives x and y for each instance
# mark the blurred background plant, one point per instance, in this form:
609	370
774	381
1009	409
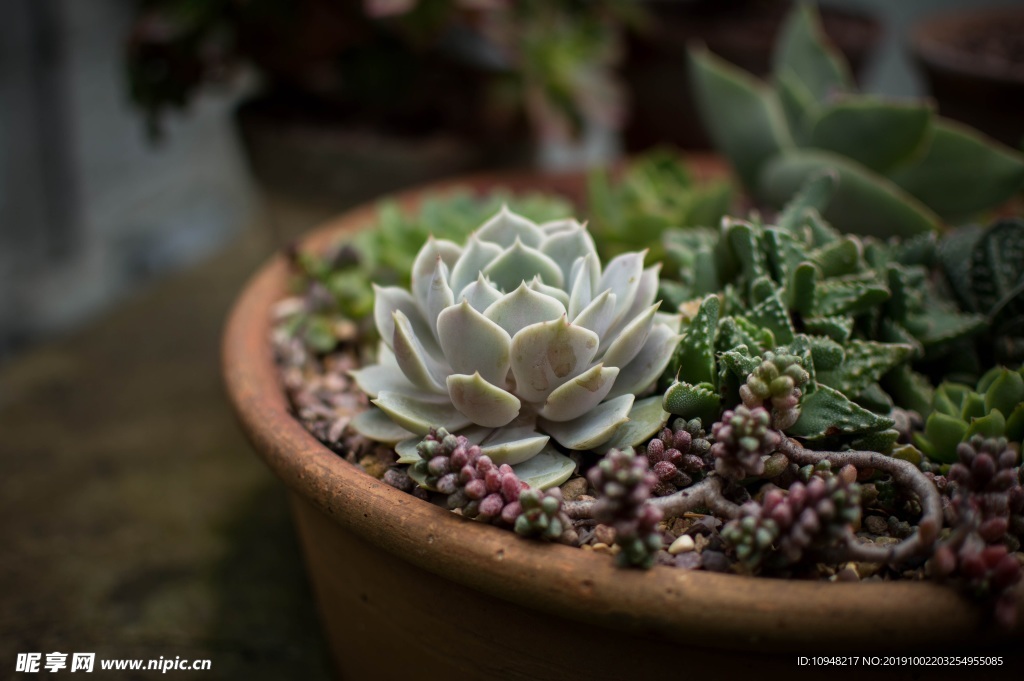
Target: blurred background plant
902	168
479	67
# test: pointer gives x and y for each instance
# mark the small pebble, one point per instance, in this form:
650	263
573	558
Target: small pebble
714	561
876	524
680	526
574	489
683	544
688	561
604	534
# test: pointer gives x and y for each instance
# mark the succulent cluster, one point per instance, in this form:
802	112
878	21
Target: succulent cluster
982	266
655	192
775	385
902	167
541	516
743	439
823	329
455	467
986	514
994	408
779	530
624	484
676	455
517	338
512	360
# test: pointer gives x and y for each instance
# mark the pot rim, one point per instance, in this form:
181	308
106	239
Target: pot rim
695	607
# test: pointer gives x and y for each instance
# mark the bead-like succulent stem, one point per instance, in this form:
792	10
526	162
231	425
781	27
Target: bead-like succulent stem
903	473
705	494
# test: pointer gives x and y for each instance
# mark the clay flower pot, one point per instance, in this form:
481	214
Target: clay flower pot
408	590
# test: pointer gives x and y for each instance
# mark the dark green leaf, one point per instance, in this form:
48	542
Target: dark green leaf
962	172
741	114
877	134
864	202
803	50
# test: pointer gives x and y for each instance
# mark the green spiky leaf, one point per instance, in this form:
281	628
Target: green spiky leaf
694	360
826	412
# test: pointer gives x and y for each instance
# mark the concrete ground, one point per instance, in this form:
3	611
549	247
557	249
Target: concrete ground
135	521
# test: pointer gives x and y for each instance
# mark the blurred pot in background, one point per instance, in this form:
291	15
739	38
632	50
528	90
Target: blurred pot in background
973	61
361	97
741	31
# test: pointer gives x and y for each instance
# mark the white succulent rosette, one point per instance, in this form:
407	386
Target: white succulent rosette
518	338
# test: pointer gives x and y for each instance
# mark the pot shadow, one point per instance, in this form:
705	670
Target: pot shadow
265	618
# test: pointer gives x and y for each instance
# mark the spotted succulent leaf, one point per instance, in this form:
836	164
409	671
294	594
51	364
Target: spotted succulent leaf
826	413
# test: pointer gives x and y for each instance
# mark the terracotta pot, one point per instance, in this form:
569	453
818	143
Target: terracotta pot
410	591
973	61
294	152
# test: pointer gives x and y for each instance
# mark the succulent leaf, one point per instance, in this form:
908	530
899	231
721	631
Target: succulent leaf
646	417
414	359
877	134
477	254
522	308
803	51
483	403
814	195
580	394
376	425
419	416
519	264
826	412
547	469
695	356
593	428
480	294
864	202
699	401
513	445
946	175
547	354
506	227
641	373
631	339
473	343
743	116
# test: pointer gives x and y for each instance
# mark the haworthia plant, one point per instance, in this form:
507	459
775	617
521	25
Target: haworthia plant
852	312
983	267
902	169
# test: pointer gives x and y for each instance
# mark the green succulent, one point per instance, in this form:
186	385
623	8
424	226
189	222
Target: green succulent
385	254
852	312
515	339
983	267
655	192
993	408
902	168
